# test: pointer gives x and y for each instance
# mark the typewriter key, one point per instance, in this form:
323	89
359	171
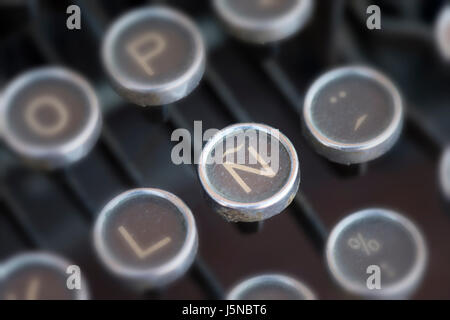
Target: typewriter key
146	237
444	174
263	21
376	253
271	287
442	32
352	115
154	55
50	116
250	172
40	276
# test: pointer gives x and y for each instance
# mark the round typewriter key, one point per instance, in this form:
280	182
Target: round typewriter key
271	287
352	115
444	174
250	172
377	253
263	21
40	276
147	237
442	32
50	116
154	55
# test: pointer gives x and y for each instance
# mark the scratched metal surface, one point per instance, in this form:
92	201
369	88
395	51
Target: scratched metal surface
405	179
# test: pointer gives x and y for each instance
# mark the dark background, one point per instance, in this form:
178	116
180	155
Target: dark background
55	211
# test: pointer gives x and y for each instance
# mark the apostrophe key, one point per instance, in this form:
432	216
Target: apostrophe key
352	115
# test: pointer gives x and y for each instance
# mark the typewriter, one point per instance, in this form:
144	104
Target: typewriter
113	112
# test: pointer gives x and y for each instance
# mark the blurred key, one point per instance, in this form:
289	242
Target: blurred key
263	21
146	237
444	174
377	253
352	114
39	276
442	32
250	172
271	287
154	55
50	116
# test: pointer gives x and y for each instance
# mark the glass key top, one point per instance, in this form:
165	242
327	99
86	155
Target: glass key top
263	21
271	287
146	237
40	276
154	55
50	116
250	172
352	114
377	253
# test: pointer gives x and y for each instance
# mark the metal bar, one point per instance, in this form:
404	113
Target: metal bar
206	279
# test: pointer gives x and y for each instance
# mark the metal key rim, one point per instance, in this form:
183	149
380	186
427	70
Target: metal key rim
249	283
295	18
363	71
402	287
89	131
44	258
444	169
135	16
441	24
172	269
281	194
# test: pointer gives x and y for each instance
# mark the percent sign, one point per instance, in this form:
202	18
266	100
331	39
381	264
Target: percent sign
359	243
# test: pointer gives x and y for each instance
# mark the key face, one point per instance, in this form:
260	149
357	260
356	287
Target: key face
249	171
352	115
442	32
146	235
50	116
154	55
263	21
38	276
444	174
377	245
271	287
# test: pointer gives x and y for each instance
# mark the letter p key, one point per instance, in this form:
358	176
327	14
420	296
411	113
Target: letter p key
146	47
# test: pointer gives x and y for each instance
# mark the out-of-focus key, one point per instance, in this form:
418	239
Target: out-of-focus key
377	253
263	21
147	237
41	276
442	32
154	55
250	172
352	114
444	174
50	116
271	287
